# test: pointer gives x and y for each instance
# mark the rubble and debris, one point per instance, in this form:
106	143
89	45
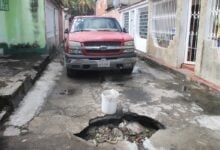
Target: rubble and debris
120	127
129	131
135	127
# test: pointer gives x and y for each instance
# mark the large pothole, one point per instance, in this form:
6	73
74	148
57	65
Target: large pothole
120	127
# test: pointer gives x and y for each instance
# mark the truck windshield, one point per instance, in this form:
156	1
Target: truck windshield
95	24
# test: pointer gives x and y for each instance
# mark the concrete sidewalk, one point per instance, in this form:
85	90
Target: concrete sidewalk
17	75
188	74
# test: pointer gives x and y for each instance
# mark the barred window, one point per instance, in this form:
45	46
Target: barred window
143	21
214	30
4	5
163	22
126	21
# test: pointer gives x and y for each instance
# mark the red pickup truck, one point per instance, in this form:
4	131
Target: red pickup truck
98	43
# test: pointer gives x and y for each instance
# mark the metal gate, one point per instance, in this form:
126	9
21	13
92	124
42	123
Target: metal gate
193	28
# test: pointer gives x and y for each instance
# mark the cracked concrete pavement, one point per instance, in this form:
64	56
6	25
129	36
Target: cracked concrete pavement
183	107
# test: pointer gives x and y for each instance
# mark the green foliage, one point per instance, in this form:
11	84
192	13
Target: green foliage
80	7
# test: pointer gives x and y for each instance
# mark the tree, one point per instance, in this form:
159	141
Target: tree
80	7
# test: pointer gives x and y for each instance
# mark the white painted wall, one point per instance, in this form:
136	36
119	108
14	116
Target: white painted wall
49	20
140	43
52	24
184	29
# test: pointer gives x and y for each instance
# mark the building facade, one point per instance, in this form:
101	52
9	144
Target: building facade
106	8
182	34
132	15
54	23
186	33
112	7
29	25
134	18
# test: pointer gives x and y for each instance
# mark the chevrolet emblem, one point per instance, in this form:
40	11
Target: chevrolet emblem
103	48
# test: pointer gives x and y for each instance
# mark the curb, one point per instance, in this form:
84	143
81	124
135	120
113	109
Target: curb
187	75
11	101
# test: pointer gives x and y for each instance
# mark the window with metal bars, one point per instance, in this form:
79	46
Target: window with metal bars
193	30
163	22
126	21
143	22
214	30
4	5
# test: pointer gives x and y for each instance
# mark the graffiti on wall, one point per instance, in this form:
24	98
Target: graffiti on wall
4	5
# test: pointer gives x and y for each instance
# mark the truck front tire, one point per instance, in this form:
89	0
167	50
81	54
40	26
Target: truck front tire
70	73
127	71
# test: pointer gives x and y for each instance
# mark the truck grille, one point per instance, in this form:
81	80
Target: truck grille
100	51
103	43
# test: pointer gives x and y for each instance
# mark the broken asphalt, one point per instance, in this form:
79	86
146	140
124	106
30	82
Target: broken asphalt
64	106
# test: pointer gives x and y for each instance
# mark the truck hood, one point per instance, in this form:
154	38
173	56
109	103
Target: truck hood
99	36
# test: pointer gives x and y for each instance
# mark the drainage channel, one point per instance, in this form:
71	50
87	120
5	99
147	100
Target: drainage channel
120	127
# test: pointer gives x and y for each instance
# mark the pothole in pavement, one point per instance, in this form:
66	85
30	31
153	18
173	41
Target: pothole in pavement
120	127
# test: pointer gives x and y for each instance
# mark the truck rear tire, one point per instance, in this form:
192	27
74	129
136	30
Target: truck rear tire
70	73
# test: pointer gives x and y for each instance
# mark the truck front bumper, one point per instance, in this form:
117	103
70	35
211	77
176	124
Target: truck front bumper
100	63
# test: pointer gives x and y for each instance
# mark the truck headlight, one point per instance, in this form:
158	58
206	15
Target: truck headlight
75	47
129	43
129	47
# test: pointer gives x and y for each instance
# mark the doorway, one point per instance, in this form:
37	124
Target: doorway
192	32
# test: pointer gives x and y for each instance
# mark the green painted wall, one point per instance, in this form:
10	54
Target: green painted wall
23	27
3	33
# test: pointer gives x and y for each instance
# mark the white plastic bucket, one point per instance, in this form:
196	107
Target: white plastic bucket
109	101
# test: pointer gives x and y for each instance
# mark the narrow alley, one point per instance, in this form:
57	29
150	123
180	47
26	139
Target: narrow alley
187	110
109	75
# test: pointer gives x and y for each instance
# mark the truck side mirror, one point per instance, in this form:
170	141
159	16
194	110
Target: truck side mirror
124	30
66	31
